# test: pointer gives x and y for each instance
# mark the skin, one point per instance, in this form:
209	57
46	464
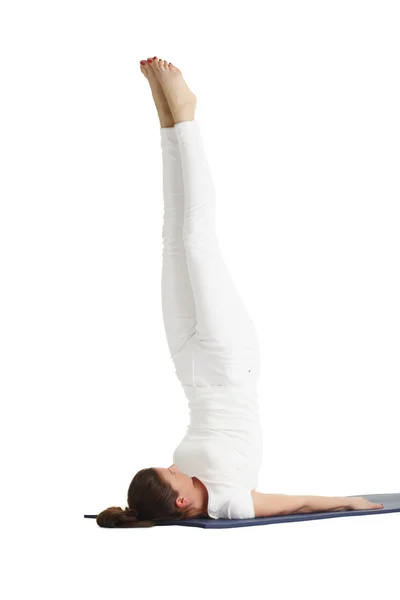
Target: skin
172	97
192	493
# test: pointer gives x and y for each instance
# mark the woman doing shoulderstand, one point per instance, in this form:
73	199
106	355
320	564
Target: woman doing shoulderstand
213	345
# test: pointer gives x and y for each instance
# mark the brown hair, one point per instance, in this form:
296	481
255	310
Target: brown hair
150	499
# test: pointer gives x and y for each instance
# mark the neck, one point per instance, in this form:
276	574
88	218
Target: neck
200	503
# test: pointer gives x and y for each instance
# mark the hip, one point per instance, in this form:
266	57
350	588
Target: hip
208	362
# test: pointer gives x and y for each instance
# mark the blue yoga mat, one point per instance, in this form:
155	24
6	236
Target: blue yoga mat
391	503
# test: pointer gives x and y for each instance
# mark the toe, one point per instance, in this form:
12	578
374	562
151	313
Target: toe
173	68
155	69
144	69
151	65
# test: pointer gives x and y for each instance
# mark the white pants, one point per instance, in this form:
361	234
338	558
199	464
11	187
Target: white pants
211	337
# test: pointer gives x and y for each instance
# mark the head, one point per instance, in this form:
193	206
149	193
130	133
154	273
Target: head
157	494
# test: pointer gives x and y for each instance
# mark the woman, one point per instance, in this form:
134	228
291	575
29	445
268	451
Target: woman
213	344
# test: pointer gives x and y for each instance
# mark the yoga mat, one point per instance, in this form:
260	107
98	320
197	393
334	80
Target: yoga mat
391	503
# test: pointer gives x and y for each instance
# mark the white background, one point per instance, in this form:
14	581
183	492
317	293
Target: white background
299	108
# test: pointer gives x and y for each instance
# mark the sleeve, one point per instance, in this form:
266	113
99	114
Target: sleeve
239	506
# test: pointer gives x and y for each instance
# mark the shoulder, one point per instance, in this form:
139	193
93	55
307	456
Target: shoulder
236	504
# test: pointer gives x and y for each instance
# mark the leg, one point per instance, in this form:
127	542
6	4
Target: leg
227	348
218	305
220	310
178	306
177	298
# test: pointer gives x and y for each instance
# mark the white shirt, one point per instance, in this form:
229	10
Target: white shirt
223	447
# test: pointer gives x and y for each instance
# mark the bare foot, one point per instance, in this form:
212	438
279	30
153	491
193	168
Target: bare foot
162	106
181	100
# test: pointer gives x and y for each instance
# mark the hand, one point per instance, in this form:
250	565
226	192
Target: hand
363	504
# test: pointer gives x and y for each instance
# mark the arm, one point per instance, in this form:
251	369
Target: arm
325	503
266	505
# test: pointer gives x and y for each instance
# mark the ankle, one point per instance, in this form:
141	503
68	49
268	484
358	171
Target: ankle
183	120
184	114
166	121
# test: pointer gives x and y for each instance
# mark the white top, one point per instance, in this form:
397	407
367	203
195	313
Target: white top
223	447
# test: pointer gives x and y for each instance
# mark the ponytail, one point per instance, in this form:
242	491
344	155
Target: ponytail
117	517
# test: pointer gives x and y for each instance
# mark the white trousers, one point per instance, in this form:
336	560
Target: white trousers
211	337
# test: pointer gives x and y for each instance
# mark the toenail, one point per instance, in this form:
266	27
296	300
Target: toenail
142	62
154	57
149	60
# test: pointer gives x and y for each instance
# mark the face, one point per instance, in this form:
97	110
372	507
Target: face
180	482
